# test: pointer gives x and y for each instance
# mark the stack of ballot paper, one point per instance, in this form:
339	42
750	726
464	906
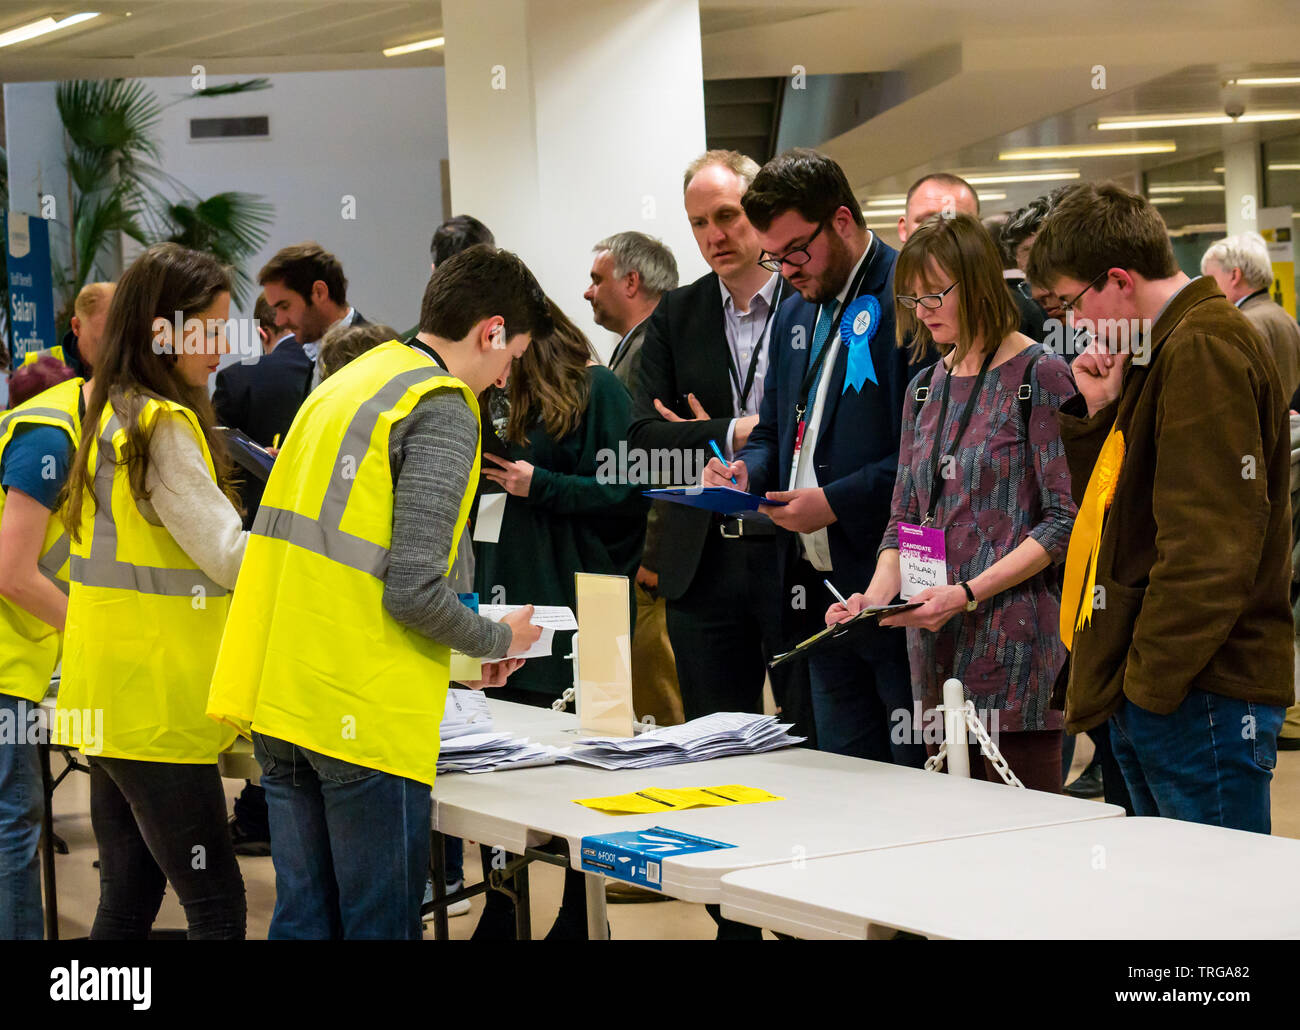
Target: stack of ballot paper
487	752
470	744
714	736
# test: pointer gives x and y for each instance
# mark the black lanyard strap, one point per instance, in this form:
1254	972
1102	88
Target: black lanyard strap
743	391
815	367
936	476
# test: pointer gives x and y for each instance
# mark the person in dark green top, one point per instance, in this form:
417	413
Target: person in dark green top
565	412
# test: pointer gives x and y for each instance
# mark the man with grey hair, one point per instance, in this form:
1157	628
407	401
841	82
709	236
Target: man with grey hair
631	271
1240	265
629	274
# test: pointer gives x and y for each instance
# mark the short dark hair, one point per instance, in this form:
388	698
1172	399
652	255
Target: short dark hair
457	234
802	179
478	283
303	264
1021	225
1096	226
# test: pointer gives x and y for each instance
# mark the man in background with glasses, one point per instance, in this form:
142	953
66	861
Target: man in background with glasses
828	436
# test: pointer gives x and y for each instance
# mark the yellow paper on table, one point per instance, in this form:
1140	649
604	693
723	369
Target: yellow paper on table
674	799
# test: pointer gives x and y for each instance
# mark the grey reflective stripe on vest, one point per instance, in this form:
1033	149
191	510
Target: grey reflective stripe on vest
52	560
323	535
102	569
55	413
312	535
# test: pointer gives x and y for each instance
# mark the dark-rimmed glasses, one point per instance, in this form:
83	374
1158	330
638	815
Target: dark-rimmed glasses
1068	305
930	300
795	258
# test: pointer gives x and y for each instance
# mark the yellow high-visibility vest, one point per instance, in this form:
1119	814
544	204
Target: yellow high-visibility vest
310	655
29	648
144	622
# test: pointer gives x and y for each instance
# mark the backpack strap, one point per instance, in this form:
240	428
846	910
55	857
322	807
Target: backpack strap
1026	391
922	391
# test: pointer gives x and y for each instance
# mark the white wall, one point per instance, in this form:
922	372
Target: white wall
377	136
597	110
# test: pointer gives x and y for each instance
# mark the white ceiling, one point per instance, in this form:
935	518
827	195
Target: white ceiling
979	75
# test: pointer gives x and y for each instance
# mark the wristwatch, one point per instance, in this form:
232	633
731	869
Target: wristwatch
971	603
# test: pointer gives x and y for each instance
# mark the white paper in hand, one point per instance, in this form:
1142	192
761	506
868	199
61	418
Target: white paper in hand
487	526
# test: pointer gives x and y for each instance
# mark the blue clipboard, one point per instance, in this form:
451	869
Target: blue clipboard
724	500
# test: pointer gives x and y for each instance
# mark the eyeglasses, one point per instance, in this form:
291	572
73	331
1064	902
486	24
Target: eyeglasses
795	258
930	300
1068	305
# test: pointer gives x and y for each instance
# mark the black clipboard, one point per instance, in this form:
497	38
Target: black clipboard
247	453
832	634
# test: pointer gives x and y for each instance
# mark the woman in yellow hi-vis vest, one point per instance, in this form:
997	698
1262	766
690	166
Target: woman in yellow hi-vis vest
156	547
38	438
337	653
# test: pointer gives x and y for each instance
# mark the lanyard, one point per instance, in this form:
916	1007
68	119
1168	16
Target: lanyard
801	405
423	347
936	477
743	391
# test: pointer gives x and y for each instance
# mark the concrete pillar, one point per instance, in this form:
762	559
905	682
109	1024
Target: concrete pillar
570	120
1243	186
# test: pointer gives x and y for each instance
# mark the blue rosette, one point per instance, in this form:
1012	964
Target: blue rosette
857	328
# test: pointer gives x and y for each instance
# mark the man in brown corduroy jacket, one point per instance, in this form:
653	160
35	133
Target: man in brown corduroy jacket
1187	646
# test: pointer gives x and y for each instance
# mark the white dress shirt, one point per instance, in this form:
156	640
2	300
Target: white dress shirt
746	332
816	545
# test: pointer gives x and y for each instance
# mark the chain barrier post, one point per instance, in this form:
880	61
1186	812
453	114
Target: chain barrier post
954	728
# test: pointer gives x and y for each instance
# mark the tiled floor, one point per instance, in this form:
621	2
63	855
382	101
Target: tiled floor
79	888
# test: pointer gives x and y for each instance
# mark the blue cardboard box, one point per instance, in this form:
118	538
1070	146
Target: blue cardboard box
635	855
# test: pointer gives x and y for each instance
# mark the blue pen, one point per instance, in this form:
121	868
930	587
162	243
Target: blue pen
714	445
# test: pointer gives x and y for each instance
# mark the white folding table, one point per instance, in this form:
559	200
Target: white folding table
1140	878
833	805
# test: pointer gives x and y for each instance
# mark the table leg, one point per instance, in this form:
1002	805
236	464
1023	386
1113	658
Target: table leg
47	849
438	873
523	905
597	917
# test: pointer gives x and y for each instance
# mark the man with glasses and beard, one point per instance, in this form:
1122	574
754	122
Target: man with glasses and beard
828	436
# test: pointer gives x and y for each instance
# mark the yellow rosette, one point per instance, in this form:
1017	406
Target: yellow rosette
1085	540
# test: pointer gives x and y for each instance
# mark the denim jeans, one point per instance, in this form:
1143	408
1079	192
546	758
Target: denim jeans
350	846
22	805
158	823
1209	761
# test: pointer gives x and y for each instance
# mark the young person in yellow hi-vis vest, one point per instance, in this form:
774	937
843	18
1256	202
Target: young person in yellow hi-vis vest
156	547
337	653
37	441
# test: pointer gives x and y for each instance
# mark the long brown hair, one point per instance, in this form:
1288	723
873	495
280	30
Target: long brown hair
165	279
549	384
962	247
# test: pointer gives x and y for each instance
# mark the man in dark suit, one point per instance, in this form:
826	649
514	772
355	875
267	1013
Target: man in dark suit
260	398
828	437
305	286
701	380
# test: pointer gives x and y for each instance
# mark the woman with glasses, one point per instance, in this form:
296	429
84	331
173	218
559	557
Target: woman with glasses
982	506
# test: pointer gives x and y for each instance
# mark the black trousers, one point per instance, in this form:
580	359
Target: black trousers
158	823
742	609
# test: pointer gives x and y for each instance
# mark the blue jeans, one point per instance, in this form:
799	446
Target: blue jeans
350	846
855	696
1209	761
22	806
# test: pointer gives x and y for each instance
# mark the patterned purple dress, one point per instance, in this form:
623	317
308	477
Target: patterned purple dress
1010	483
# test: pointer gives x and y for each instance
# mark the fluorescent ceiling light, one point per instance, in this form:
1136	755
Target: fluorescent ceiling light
1073	150
1278	80
1166	200
901	198
1187	187
1175	121
881	212
988	180
1289	166
40	28
410	48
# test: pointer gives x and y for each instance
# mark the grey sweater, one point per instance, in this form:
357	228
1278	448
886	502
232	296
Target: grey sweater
432	454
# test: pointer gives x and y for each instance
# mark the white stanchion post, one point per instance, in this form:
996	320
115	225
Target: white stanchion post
954	728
